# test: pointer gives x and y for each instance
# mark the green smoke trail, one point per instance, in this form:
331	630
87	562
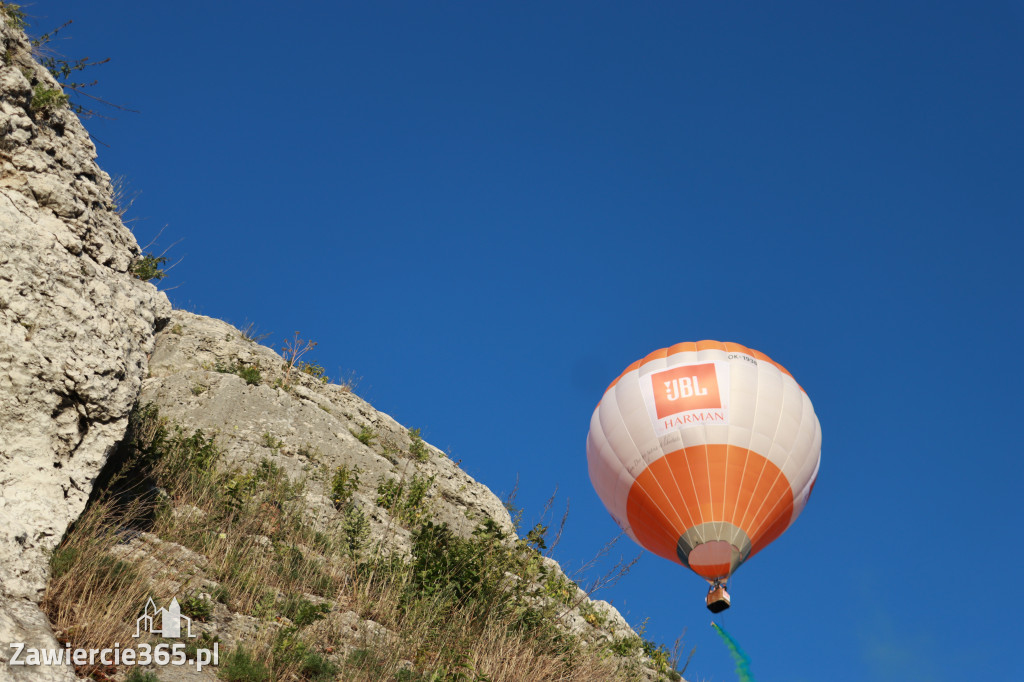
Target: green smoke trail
738	655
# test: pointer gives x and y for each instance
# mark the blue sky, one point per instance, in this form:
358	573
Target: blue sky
488	210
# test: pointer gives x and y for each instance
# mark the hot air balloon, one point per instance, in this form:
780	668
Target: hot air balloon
704	453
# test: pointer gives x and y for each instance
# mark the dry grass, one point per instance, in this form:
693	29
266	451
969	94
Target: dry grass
93	596
457	618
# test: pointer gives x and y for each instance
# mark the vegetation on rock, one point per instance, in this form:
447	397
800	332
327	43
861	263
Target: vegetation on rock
147	267
485	607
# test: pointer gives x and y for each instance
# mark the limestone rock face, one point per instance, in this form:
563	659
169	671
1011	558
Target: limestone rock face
308	428
75	332
205	374
82	340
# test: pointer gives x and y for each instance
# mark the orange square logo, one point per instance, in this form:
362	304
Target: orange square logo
690	387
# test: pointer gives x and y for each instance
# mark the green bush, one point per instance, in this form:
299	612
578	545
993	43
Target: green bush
389	494
315	666
266	484
658	656
147	266
196	607
265	607
139	675
344	483
485	577
592	615
558	587
203	641
301	611
163	456
535	538
188	457
63	70
365	435
293	567
251	373
405	499
14	16
626	646
469	571
62	560
290	652
220	594
418	449
415	496
313	370
268	440
46	99
241	666
309	452
356	529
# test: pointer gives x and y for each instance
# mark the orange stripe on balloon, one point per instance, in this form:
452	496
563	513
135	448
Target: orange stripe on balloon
659	528
692	346
736	462
768	535
710	345
711	486
711	571
772	501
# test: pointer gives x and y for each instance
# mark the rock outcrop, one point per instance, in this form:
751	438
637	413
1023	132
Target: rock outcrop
75	331
206	374
308	428
83	340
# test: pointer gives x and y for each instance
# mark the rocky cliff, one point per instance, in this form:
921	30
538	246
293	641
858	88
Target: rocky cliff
282	470
75	330
263	415
308	427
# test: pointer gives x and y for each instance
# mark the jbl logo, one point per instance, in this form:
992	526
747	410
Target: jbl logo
688	387
684	387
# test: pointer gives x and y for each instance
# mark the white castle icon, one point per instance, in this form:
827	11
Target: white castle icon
169	620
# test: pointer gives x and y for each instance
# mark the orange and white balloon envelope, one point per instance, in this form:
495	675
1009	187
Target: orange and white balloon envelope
704	453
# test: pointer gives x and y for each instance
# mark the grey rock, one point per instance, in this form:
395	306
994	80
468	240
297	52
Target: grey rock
313	421
22	621
307	429
77	343
75	331
169	567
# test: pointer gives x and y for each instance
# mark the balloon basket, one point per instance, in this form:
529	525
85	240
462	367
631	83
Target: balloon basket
718	598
